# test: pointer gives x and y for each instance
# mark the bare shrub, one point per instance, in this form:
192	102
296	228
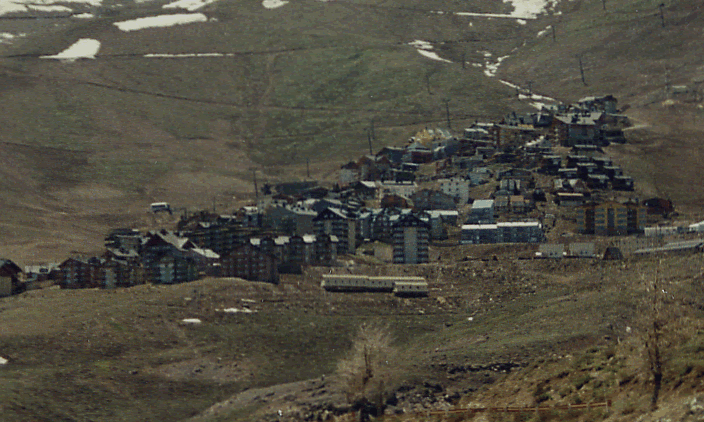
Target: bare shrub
370	372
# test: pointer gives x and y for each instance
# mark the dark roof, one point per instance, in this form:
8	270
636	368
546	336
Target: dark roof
330	213
9	266
410	220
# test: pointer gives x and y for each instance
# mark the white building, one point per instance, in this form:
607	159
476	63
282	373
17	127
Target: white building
456	187
405	189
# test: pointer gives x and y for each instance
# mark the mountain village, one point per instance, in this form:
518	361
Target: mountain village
538	178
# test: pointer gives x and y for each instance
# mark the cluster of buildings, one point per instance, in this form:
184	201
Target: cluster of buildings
482	228
378	198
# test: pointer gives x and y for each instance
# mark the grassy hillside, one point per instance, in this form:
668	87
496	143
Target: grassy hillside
304	81
119	355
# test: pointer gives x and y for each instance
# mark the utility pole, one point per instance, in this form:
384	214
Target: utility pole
427	82
447	112
554	37
256	190
369	139
308	167
581	69
530	87
662	15
668	85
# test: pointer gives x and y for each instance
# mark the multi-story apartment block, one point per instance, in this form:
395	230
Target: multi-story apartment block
250	263
611	218
333	222
411	237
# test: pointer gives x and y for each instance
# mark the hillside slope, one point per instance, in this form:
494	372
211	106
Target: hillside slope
275	87
265	89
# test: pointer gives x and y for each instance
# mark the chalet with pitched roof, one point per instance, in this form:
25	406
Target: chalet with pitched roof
9	278
579	128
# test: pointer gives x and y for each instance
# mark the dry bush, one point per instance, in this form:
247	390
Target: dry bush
370	372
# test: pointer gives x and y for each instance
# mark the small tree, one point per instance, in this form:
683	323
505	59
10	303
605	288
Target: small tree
369	372
662	330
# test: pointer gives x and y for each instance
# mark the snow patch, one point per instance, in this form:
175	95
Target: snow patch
522	10
190	5
186	55
542	98
421	45
194	321
85	48
84	16
491	68
162	21
544	31
273	4
535	100
521	21
424	47
530	9
491	15
46	6
507	83
236	311
433	55
3	361
7	38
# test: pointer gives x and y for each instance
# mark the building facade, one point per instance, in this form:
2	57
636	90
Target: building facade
250	263
411	238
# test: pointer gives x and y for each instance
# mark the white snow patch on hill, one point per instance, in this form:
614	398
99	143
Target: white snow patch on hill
84	16
23	6
433	55
6	37
421	45
3	361
492	15
186	55
236	310
544	31
424	47
49	8
530	9
85	48
162	21
507	83
273	4
492	68
522	9
190	5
